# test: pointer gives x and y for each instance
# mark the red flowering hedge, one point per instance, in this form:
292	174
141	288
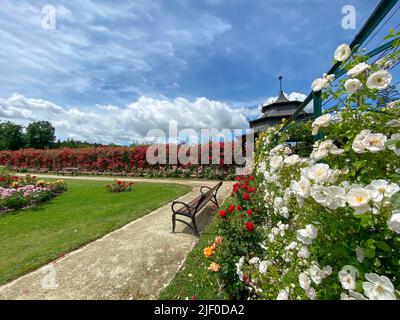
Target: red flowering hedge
108	160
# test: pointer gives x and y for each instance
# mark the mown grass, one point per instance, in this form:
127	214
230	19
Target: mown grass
194	279
32	237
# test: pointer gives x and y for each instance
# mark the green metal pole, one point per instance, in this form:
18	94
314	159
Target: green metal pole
317	101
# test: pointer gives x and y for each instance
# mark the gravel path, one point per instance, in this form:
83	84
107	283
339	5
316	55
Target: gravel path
134	262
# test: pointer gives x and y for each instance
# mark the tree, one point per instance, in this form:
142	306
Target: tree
11	136
40	135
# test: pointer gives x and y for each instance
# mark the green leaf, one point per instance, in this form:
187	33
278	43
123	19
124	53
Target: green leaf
383	246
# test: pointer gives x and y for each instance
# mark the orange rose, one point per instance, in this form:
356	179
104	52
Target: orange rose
208	251
214	267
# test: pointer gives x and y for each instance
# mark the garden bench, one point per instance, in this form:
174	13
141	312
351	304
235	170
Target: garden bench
193	207
70	170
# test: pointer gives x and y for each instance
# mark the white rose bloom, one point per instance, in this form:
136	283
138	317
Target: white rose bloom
394	123
263	267
358	143
393	104
275	162
301	188
291	160
291	246
319	84
378	287
319	172
254	260
283	294
391	189
379	80
303	253
321	194
392	143
394	222
311	293
338	197
358	69
381	188
375	142
352	85
342	52
304	280
307	235
347	280
316	274
384	63
323	121
352	296
329	77
358	199
360	254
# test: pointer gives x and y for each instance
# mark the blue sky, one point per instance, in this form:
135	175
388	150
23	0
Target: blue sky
136	64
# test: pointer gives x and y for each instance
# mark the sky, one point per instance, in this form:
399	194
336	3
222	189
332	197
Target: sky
112	70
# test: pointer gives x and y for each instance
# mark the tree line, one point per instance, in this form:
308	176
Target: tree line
38	135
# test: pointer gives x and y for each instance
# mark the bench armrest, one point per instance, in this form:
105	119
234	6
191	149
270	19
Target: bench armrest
181	203
204	187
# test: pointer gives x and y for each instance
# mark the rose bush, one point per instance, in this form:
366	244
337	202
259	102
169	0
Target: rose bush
119	161
120	186
17	192
325	225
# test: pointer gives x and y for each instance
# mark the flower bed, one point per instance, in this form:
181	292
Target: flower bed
16	192
326	225
117	161
120	186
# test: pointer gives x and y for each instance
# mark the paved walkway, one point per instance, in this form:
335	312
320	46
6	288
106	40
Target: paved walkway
134	262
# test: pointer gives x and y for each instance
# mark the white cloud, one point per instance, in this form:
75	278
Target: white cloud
293	96
123	125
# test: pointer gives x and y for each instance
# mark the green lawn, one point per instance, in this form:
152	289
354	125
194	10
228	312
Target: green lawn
30	238
194	279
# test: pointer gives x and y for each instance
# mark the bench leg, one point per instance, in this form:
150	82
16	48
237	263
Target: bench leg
214	200
196	232
173	223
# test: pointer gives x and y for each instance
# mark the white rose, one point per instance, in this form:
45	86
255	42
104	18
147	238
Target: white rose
337	197
375	142
393	104
395	138
263	267
342	52
254	260
316	274
275	162
323	121
319	172
358	199
304	281
307	235
301	188
319	84
303	253
347	280
378	287
352	85
394	123
321	194
291	160
394	222
358	69
379	80
283	295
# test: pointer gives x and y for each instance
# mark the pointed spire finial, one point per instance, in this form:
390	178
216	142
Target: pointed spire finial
280	83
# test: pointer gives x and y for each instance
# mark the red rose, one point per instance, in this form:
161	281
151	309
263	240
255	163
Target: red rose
231	208
251	178
249	226
249	212
237	179
239	207
246	196
222	213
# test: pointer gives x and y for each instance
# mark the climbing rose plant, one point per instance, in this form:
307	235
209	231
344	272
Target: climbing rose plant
326	225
